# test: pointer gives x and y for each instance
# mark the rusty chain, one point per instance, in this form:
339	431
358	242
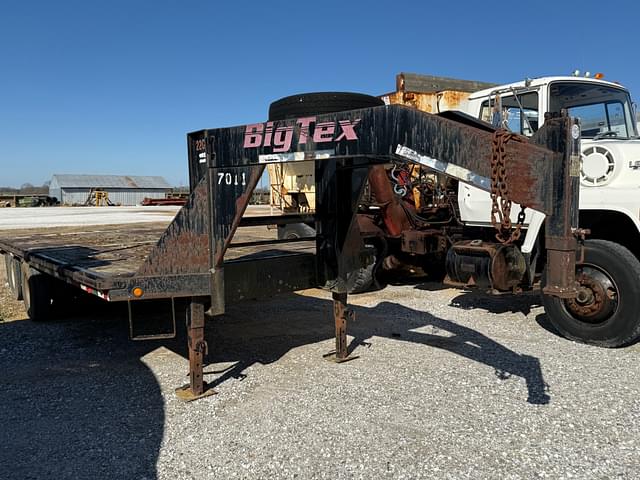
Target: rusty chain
501	210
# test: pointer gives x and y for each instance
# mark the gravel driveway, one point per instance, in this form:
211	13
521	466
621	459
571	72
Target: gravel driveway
448	384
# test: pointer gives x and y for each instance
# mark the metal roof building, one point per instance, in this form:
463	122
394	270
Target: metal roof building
122	189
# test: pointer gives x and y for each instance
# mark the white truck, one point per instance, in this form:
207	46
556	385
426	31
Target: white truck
607	309
610	162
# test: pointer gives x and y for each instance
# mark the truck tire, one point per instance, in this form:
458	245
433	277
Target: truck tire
37	293
362	280
318	103
295	230
365	279
606	312
14	277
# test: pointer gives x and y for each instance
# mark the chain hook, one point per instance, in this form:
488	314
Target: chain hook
501	210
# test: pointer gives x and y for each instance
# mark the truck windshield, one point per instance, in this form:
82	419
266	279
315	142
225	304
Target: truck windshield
602	110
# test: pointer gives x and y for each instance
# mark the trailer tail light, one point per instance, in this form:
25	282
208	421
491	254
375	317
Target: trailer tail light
103	295
137	292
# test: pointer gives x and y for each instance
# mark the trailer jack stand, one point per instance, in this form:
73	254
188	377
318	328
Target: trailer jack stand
340	313
196	388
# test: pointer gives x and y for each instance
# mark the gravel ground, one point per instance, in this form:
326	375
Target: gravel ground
448	384
440	390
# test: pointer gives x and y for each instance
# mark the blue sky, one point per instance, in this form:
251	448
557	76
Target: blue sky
113	87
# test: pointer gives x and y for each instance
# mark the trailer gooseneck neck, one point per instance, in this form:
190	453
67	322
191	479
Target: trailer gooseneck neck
227	164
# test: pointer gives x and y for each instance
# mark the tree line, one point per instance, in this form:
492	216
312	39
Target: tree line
26	189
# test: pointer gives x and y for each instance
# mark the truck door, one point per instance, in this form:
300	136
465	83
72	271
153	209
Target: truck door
519	114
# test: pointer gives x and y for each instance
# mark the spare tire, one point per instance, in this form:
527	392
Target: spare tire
318	103
295	230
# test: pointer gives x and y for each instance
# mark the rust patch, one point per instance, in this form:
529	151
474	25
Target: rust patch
184	246
451	99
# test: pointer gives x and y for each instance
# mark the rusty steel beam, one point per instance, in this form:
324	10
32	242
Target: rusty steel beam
341	315
340	310
380	133
184	246
561	225
196	388
415	82
394	216
197	347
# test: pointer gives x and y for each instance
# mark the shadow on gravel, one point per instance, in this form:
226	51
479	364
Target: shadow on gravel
247	336
77	402
544	322
474	299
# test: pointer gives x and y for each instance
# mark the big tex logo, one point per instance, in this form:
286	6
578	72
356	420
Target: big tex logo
280	139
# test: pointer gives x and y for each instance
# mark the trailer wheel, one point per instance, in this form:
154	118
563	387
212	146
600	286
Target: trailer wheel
37	294
14	277
607	310
318	103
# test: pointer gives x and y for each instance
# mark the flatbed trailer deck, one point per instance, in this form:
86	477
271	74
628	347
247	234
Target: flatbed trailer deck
204	256
98	255
92	254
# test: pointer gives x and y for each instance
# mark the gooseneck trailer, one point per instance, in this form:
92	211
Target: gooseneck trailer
199	259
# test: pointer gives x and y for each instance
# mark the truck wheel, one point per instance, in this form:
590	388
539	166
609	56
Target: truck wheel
295	230
37	293
318	103
14	278
362	280
607	310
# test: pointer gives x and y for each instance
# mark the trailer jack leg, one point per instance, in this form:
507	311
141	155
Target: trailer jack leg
196	388
340	313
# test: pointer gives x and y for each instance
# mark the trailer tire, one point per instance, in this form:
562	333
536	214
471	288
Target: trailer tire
607	310
37	293
318	103
14	277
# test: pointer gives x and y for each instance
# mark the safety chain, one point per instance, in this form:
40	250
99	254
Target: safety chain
501	211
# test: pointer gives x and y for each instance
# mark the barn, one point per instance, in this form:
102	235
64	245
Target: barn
122	189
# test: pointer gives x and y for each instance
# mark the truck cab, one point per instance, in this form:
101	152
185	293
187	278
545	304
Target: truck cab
610	160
